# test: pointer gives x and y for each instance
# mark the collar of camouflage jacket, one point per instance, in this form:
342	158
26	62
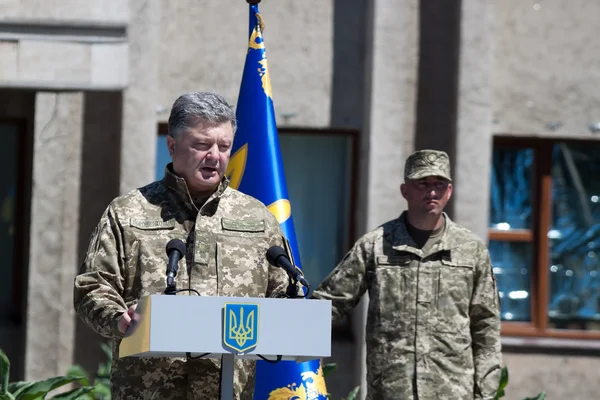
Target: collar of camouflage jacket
402	240
180	188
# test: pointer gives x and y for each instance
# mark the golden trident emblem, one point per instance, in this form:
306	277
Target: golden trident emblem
241	326
239	331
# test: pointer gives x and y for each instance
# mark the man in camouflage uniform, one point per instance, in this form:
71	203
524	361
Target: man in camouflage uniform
226	232
433	324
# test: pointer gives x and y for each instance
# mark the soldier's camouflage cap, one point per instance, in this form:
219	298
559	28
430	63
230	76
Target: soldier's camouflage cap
424	163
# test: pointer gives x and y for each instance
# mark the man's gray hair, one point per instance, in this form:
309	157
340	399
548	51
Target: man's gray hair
200	108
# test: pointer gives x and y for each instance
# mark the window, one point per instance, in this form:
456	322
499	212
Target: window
320	171
14	209
544	236
10	209
319	175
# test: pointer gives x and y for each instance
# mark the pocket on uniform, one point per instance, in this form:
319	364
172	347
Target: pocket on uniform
145	241
241	257
454	290
243	227
152	235
389	294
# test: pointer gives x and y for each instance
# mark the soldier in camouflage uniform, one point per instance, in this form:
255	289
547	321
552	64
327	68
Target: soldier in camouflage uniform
433	324
226	232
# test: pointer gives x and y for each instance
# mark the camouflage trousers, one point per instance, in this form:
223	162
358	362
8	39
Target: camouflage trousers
177	379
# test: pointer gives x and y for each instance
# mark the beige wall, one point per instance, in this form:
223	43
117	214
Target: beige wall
204	44
63	44
474	117
546	67
138	141
53	233
108	11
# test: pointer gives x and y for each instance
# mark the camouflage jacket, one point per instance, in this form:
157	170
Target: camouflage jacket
433	323
226	244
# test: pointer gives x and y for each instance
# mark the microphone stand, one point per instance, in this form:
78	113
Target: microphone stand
171	286
291	290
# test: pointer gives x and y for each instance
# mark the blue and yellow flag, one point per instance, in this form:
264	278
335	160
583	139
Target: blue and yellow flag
256	168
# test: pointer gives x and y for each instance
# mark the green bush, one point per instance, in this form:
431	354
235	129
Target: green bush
101	383
39	389
98	389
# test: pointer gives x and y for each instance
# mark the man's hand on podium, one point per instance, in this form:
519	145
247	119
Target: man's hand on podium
127	318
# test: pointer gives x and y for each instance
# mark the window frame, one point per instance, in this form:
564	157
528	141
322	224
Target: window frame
537	235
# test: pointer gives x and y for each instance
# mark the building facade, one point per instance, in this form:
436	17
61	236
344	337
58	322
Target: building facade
510	89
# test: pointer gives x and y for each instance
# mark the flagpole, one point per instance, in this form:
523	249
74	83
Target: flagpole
256	168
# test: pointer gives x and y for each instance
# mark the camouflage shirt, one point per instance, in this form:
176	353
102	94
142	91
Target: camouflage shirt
226	240
433	323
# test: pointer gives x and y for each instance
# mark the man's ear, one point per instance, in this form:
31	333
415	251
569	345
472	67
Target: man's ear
403	190
450	187
171	144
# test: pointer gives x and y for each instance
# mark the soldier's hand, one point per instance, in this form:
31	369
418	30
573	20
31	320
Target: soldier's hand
126	319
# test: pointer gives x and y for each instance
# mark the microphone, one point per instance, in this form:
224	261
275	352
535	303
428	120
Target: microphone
278	257
175	250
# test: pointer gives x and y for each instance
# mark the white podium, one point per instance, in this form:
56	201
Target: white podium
229	328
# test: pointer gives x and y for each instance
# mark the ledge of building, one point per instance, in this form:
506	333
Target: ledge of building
40	86
69	31
550	346
61	65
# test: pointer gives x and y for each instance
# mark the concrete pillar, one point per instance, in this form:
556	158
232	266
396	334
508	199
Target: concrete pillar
138	144
53	233
389	121
391	49
100	172
474	118
437	98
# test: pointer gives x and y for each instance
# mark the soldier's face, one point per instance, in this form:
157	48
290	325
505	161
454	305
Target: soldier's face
200	155
428	195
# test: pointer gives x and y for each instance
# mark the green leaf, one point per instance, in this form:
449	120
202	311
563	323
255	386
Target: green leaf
102	390
353	393
75	394
78	370
541	396
41	388
104	368
107	350
15	386
503	383
328	368
4	372
6	396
